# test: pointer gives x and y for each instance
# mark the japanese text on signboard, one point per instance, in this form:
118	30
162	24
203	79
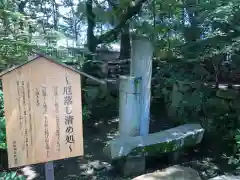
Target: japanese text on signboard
67	92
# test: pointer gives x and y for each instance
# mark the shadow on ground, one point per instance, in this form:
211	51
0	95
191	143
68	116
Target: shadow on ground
93	165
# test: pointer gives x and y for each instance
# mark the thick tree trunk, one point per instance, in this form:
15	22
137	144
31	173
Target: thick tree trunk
193	32
55	15
125	49
90	67
91	39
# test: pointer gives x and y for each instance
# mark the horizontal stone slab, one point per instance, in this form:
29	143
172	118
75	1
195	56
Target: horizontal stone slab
226	177
161	142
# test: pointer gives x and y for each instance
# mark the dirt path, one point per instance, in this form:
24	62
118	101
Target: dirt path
93	164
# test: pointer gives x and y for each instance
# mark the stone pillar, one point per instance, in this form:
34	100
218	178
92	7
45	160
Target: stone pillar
141	66
129	109
129	120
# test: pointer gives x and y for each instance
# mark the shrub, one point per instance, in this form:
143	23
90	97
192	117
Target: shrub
3	144
186	99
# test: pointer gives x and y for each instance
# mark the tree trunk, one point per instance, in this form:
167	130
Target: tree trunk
193	32
21	7
91	39
55	15
125	49
88	66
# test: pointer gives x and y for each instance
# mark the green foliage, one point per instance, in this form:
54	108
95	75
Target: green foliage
186	97
3	144
99	100
235	158
11	176
86	113
220	21
212	31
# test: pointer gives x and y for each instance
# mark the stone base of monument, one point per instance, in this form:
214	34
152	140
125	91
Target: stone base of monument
130	165
175	156
132	150
134	165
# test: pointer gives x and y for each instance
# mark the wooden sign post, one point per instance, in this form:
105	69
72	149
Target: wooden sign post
49	171
43	111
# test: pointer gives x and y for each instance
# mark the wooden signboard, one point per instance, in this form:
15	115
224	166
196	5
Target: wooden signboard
43	112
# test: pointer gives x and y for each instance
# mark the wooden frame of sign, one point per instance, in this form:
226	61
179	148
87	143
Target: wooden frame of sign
43	110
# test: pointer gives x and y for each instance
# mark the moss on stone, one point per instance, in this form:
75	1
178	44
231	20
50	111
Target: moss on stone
227	94
166	147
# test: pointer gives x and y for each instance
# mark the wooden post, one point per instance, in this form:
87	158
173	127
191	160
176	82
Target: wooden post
141	66
129	111
49	170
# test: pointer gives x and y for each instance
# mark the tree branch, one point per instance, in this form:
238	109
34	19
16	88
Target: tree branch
98	4
21	6
113	34
112	4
